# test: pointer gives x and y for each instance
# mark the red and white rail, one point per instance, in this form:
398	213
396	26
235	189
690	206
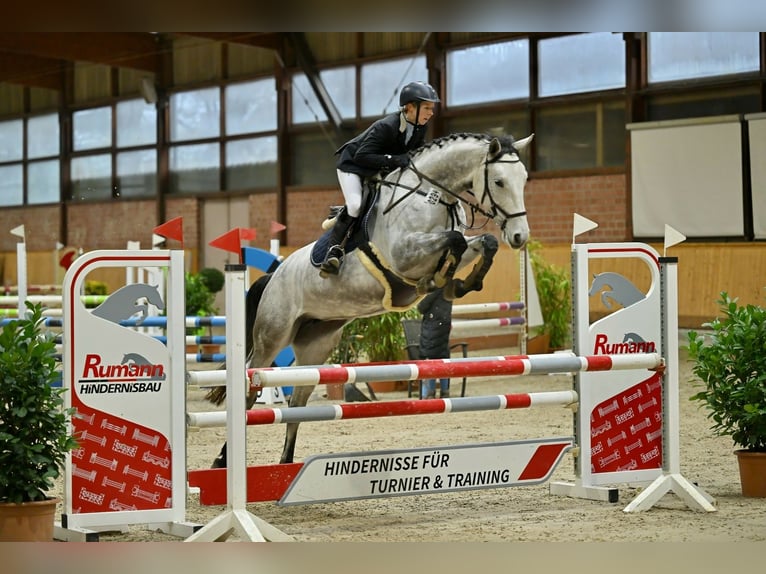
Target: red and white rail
387	409
434	368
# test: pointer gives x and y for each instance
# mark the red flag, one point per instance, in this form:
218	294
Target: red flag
68	257
246	233
276	228
173	229
229	241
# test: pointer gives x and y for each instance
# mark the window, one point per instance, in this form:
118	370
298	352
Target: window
195	115
137	173
686	55
581	137
251	107
136	123
340	84
382	81
11	140
195	168
92	129
488	73
43	136
581	63
11	185
101	167
34	175
44	166
92	177
251	163
43	181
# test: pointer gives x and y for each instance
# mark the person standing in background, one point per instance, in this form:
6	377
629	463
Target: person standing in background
434	338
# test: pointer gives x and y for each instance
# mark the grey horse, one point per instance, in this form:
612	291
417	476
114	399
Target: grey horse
412	241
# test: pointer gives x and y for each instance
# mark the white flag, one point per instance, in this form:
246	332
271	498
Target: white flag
673	237
581	225
18	231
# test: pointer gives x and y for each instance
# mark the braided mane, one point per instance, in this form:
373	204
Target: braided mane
506	142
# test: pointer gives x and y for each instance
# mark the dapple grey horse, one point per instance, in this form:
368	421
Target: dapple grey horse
414	242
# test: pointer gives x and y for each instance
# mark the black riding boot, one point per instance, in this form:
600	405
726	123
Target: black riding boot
334	259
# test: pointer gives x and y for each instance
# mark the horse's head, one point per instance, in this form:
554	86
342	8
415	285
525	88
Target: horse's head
502	181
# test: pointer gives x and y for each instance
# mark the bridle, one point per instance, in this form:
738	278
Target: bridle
494	210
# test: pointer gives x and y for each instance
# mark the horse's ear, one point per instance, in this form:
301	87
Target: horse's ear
521	144
494	148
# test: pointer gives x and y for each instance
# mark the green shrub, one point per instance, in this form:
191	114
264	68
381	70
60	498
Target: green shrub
34	425
731	364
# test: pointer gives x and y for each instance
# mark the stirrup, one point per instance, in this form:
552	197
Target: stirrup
332	263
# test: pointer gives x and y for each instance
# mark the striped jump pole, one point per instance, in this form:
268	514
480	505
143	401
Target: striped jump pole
438	368
474	327
474	308
387	409
51	299
434	369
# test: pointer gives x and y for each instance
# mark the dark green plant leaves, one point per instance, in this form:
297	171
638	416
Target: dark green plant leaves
34	431
730	362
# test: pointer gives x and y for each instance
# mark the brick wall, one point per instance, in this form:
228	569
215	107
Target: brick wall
551	204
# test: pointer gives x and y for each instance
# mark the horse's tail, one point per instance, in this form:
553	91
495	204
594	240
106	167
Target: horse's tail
252	300
217	395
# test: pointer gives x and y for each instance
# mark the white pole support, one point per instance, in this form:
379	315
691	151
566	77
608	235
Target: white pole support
236	518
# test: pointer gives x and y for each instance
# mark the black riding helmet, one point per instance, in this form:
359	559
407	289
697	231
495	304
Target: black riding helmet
418	92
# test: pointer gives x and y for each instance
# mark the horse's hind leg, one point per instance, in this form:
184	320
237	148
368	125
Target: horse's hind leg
475	279
299	398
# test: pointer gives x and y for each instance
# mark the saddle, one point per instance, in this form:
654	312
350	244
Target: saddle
399	294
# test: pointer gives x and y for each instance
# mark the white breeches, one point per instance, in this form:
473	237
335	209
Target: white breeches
351	186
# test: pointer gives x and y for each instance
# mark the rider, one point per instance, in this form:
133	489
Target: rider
381	147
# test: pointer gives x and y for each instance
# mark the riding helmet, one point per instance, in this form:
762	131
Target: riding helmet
418	92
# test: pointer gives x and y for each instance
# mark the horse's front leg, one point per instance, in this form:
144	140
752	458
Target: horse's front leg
455	246
475	281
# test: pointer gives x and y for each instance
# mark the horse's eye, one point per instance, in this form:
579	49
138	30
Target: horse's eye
499	183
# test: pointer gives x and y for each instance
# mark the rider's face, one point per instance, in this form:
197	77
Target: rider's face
427	110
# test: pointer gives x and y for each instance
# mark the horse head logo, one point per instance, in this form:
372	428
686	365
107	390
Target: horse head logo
618	289
138	360
128	301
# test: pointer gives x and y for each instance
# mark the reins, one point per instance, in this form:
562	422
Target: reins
452	206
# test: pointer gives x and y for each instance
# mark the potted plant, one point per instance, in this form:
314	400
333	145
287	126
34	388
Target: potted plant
34	429
554	289
201	289
374	339
730	362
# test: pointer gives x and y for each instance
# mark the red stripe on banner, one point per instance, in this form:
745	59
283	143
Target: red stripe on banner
264	483
599	363
542	461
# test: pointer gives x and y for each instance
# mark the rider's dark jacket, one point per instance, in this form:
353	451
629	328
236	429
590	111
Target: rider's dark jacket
365	154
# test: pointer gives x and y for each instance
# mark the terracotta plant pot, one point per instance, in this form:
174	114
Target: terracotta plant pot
27	521
752	473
